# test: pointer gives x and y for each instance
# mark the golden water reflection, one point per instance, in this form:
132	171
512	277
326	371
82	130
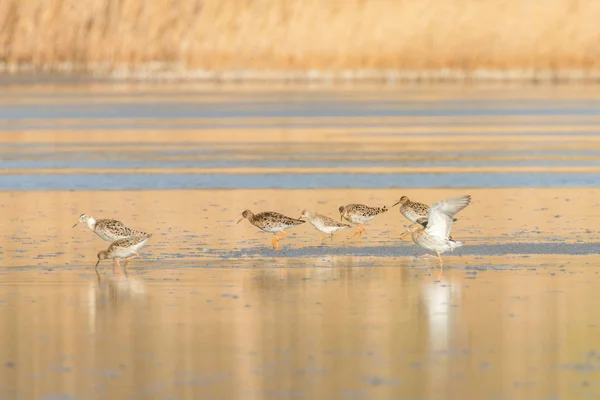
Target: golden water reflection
344	332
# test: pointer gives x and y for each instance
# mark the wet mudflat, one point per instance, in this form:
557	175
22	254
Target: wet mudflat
193	228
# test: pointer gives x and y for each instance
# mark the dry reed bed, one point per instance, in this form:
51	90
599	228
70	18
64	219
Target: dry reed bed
238	38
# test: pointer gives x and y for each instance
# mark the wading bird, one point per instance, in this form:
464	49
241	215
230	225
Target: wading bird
271	222
360	214
436	236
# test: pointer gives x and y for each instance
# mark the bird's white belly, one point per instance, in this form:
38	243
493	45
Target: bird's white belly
441	246
123	253
361	219
109	238
324	228
273	229
411	215
129	251
139	245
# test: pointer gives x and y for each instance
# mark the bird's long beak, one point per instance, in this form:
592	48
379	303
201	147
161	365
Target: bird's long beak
406	232
341	217
97	264
76	224
300	217
240	220
398	202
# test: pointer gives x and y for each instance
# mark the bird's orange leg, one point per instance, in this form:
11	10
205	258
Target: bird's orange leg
407	231
127	264
283	234
128	261
118	264
358	232
275	242
427	256
362	229
439	257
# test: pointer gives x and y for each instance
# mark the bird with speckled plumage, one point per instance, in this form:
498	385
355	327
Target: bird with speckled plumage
271	222
124	248
413	211
359	214
108	229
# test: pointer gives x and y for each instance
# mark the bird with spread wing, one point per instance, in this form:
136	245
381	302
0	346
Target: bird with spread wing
436	236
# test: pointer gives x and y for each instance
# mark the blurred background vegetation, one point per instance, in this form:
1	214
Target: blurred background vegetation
300	36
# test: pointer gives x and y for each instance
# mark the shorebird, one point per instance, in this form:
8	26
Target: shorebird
323	223
124	248
414	212
360	214
271	222
436	236
411	209
108	229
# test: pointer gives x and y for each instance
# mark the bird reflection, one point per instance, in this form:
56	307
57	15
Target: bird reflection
118	285
439	297
113	295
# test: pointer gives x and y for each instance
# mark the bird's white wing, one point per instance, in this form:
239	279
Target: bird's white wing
442	213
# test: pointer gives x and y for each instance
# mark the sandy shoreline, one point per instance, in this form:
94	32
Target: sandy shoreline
170	73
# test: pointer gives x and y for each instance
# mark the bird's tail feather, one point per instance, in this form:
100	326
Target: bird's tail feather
455	244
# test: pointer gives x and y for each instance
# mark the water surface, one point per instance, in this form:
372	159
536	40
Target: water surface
385	331
61	137
211	311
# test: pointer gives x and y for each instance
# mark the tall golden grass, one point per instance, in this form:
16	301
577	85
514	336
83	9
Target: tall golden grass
302	35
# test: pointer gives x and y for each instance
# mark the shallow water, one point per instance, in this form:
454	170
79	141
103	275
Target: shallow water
384	331
210	310
119	137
